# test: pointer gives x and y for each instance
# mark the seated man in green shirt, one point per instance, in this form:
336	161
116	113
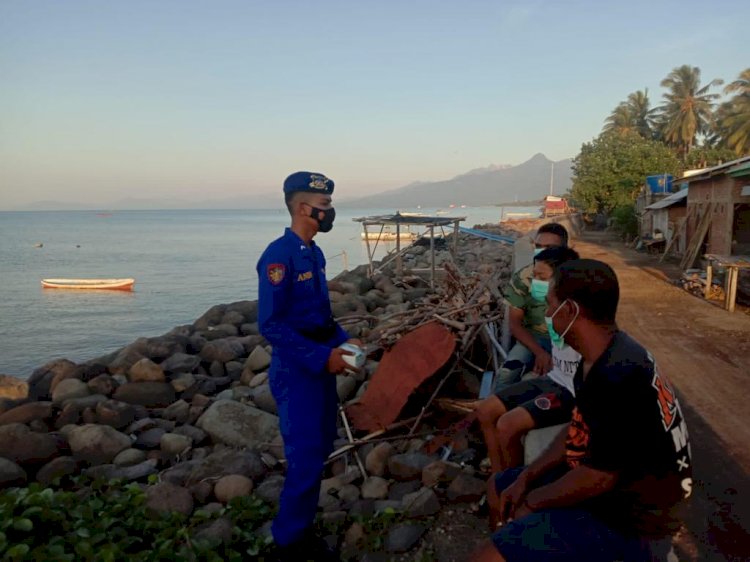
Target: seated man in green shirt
526	297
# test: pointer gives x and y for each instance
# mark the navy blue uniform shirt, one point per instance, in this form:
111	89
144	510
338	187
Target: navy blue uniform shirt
294	310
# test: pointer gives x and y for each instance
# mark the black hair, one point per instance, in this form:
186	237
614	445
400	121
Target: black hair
554	257
289	200
593	285
556	229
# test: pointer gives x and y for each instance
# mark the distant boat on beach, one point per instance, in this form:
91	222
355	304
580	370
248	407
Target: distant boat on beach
388	235
111	284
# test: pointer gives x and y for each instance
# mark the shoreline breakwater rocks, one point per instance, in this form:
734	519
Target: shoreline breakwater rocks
194	407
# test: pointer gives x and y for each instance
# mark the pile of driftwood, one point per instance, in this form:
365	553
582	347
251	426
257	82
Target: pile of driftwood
466	304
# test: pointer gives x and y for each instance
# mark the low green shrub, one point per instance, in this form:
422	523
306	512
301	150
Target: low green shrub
110	521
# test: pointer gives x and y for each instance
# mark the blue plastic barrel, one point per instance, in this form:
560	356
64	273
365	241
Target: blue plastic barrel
660	184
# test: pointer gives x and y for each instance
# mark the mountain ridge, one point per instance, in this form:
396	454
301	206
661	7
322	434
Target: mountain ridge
492	185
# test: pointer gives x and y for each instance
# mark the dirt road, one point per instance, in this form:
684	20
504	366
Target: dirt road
705	351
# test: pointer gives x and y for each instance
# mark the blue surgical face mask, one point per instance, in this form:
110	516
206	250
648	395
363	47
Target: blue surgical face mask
539	289
559	339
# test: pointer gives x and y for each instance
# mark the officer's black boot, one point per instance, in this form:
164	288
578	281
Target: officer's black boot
310	548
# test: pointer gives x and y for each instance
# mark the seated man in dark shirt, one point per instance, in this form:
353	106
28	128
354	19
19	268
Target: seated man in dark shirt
608	488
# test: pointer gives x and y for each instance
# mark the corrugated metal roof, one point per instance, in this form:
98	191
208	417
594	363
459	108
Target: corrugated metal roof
669	200
707	172
741	170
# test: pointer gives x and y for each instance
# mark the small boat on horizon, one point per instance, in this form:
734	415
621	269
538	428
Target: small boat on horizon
110	284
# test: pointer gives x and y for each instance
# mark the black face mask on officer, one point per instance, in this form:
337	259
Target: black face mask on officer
326	223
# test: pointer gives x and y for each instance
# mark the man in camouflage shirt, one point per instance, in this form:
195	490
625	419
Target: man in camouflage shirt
527	307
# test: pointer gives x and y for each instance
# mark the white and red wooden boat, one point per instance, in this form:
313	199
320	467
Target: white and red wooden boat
112	284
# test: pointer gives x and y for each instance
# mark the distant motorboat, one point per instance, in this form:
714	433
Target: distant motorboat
111	284
39	245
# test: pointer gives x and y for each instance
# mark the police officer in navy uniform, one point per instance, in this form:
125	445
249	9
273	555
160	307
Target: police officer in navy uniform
295	317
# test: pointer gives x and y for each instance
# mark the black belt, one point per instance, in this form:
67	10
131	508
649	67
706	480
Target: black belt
321	334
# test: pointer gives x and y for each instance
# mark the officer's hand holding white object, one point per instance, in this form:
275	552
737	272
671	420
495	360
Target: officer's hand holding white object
336	363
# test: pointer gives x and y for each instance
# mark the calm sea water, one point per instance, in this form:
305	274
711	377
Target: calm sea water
183	261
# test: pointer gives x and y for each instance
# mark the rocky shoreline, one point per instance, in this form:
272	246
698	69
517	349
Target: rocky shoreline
193	411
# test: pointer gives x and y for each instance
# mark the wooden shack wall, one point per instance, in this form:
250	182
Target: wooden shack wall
724	192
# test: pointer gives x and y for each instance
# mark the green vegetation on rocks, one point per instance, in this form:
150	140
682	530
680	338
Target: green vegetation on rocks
112	522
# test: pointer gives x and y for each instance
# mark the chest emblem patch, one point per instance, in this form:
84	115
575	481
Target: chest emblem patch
276	273
306	276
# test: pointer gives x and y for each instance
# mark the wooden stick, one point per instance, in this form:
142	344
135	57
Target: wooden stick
432	397
370	437
452	323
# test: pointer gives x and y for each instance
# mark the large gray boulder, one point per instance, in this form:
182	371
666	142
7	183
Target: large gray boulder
97	444
40	381
56	468
23	446
165	497
238	425
258	360
148	394
466	488
115	413
223	350
211	317
232	486
263	398
408	466
11	474
248	309
13	387
181	363
376	461
27	412
146	370
270	490
422	503
403	537
69	389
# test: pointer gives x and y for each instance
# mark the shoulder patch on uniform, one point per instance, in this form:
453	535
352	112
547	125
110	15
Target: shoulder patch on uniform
276	273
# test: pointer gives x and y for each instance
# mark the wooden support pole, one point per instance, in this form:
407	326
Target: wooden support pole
432	255
370	267
709	279
399	261
732	275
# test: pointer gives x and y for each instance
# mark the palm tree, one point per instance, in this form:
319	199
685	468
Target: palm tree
687	108
733	116
621	120
632	115
643	114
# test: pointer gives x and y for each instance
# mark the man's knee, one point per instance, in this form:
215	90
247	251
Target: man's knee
489	410
514	424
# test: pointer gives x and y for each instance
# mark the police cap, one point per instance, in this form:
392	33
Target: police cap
308	182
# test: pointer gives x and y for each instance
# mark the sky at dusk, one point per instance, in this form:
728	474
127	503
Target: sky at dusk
102	101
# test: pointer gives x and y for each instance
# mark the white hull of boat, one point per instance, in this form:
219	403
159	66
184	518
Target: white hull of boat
110	284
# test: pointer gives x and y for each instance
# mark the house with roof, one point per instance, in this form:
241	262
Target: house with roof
718	208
